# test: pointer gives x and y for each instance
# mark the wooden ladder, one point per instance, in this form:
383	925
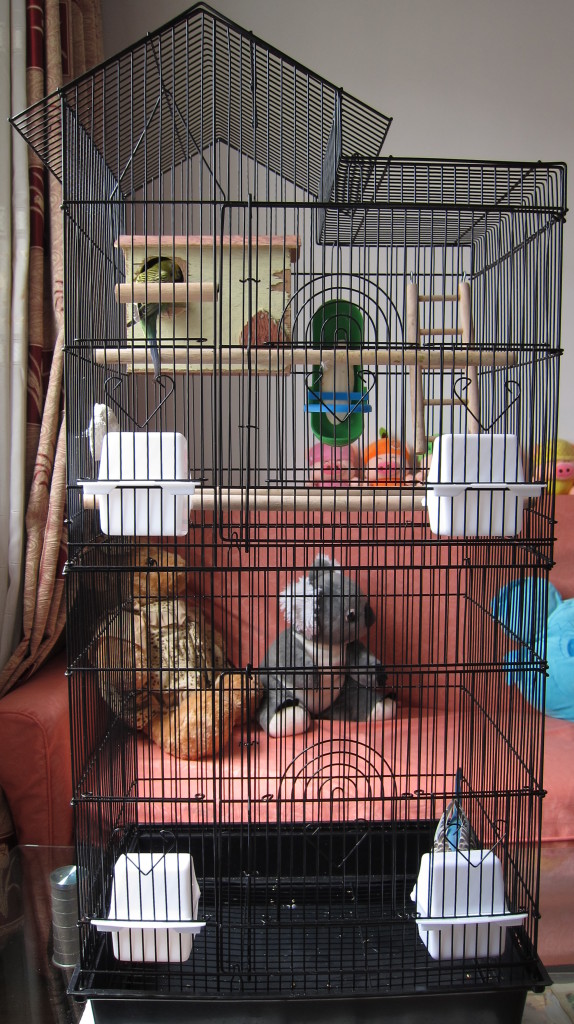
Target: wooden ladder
416	335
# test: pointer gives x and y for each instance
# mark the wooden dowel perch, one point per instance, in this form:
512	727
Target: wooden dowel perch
199	359
165	292
300	499
473	394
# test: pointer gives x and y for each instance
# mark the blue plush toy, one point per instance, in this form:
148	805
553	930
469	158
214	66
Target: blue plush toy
520	608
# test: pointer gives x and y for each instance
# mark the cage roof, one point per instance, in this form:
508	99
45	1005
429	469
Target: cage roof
198	81
418	202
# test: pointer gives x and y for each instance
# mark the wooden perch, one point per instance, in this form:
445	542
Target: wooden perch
165	292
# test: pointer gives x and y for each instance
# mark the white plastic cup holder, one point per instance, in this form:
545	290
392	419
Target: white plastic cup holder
461	905
476	486
143	485
153	908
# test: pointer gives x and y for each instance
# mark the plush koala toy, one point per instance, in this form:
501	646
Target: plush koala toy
318	667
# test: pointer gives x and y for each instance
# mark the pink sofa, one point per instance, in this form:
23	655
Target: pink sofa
556	942
35	759
35	772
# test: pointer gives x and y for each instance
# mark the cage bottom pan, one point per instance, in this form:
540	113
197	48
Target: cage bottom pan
316	916
485	1008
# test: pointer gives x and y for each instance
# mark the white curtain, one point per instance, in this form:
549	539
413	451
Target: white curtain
14	254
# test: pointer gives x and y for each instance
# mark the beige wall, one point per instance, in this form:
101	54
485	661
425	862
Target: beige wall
492	79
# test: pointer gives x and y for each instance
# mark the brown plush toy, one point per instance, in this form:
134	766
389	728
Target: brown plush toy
177	685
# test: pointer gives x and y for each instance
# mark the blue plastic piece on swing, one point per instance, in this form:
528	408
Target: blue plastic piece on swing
338	402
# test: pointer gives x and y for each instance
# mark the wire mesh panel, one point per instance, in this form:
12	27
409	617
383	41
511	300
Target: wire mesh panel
311	420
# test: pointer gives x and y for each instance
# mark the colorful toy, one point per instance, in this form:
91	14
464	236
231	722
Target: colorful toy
386	461
520	608
318	666
564	467
337	394
563	481
185	694
334	467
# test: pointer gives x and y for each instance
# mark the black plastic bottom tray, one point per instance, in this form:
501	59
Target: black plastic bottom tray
307	921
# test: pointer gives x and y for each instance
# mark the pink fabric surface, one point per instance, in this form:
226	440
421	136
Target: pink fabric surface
558	808
562	574
558	781
556	934
339	771
35	759
375	769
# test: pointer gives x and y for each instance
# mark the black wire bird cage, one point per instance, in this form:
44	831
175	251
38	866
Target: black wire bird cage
311	418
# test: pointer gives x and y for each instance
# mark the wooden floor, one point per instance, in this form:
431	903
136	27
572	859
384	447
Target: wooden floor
555	1005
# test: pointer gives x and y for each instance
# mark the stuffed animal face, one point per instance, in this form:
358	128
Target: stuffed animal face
158	574
333	466
386	461
326	605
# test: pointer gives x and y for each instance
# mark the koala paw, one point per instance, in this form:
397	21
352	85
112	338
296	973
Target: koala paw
386	708
289	721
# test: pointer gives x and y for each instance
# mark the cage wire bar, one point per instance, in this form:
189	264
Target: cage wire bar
314	293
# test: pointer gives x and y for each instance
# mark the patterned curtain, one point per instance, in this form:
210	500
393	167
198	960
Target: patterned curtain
43	45
63	39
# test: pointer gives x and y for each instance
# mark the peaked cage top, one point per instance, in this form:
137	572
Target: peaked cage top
195	85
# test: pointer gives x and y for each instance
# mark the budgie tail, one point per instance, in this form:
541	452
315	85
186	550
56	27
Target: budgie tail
148	316
153	270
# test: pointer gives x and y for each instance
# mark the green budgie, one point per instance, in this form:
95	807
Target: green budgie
153	270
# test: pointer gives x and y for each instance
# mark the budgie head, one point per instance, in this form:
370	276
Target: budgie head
159	268
154	270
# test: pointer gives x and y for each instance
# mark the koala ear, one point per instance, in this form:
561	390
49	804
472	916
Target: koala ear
314	572
298	602
285	602
323	561
369	616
